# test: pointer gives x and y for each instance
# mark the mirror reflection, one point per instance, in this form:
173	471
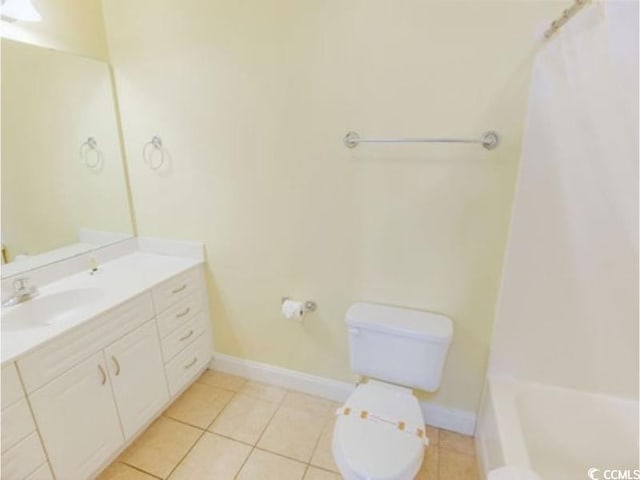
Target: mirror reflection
64	188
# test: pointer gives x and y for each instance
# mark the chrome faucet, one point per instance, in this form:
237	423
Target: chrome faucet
22	291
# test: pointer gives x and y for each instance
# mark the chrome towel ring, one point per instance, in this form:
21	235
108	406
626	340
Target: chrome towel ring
91	154
150	153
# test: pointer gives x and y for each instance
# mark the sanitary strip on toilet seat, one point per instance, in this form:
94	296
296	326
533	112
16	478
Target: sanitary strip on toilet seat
371	417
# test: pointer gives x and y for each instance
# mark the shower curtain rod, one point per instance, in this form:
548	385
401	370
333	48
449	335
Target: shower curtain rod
566	15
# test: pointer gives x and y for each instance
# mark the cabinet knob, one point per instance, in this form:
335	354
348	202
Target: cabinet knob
179	289
184	312
103	375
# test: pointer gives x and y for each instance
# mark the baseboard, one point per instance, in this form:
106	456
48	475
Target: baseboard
460	421
283	377
453	419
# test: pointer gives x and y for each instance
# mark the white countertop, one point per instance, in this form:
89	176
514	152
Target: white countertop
118	281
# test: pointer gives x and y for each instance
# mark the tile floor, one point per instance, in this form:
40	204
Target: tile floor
225	427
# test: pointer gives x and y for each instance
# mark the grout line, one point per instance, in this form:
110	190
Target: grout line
139	469
226	389
324	469
204	431
281	455
185	455
220	413
315	447
244	463
277	409
169	417
230	438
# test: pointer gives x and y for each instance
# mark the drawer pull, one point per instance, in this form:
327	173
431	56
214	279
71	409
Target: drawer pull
117	364
179	289
191	363
103	375
182	339
182	314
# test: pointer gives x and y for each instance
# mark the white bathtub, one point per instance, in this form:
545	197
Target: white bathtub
556	432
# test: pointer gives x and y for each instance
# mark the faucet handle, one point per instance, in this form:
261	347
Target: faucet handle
21	284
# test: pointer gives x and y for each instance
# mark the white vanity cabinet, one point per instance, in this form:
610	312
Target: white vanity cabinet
78	419
137	377
95	387
22	453
183	322
80	413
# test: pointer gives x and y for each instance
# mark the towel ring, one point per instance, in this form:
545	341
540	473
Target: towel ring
91	145
149	155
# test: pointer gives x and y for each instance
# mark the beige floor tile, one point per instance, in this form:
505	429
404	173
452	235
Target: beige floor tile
456	441
212	457
429	468
323	454
199	405
454	465
120	471
433	434
244	418
222	380
308	403
159	449
263	391
292	433
314	473
267	466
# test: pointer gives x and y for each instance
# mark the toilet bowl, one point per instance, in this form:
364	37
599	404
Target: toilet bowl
379	432
375	447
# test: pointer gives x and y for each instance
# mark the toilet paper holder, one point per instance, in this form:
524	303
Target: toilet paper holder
308	306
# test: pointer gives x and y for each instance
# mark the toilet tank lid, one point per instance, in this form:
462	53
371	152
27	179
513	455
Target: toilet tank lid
401	321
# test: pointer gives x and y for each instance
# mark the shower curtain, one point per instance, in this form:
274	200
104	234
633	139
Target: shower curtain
568	309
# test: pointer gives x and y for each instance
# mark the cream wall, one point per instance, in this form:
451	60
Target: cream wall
68	25
252	100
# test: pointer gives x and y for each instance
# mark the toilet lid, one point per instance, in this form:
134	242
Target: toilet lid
375	450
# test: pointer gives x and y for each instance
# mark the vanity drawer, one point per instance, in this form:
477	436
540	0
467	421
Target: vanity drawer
176	288
17	423
11	387
182	336
180	313
22	459
69	349
42	473
188	363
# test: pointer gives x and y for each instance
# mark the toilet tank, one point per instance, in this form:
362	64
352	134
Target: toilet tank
399	345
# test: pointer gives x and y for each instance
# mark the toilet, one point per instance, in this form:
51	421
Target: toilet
379	432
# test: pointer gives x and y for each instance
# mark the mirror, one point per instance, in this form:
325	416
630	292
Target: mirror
64	187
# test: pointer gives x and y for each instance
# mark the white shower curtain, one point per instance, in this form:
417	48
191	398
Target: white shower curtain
568	306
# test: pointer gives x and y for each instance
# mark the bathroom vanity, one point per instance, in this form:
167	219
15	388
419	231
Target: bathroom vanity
89	362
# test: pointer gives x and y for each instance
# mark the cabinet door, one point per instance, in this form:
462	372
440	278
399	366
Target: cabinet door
78	420
137	376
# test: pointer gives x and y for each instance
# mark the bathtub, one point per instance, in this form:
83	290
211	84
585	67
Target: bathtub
558	433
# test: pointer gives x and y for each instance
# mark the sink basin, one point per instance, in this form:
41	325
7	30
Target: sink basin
46	310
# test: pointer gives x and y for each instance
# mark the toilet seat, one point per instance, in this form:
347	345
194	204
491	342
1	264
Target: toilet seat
369	450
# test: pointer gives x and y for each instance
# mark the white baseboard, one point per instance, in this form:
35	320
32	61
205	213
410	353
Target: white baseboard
453	419
283	377
460	421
